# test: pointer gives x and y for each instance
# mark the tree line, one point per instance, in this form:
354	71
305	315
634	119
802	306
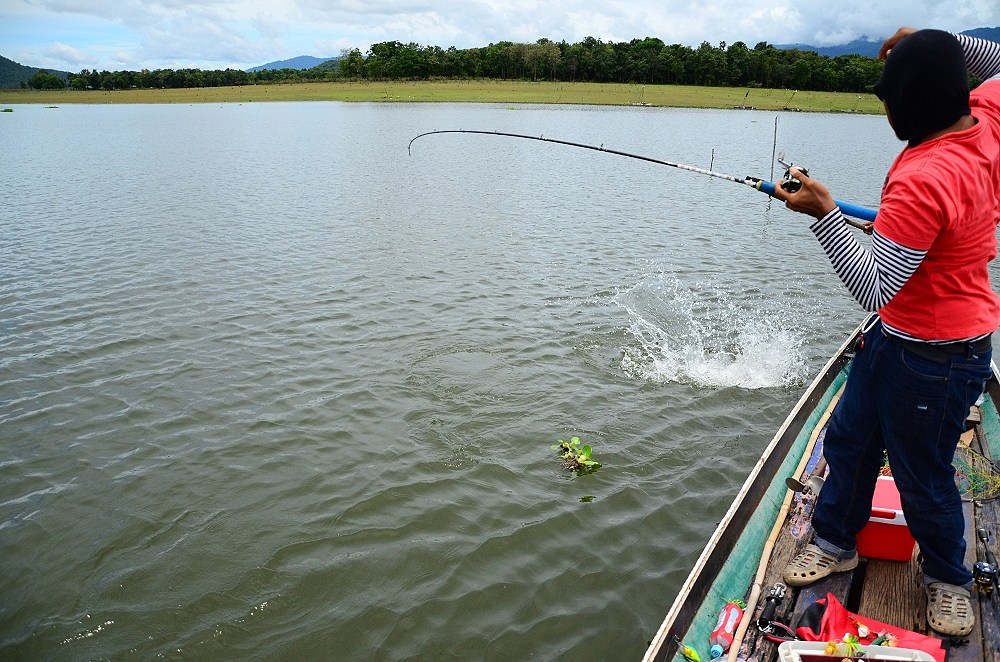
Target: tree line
645	61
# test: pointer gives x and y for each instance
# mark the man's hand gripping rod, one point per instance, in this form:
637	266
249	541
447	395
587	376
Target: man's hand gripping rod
791	184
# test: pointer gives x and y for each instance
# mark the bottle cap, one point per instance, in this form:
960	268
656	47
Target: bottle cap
716	651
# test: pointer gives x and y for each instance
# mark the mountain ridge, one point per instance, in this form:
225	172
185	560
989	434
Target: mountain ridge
869	48
863	46
299	62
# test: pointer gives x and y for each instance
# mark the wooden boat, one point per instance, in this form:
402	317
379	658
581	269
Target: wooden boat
768	523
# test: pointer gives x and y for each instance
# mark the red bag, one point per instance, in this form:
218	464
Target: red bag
828	620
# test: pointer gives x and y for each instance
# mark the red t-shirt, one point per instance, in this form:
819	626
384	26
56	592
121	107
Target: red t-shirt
943	196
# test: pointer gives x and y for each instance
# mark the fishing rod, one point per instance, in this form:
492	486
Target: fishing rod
789	183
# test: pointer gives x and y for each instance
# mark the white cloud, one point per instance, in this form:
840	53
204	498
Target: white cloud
241	33
832	23
69	56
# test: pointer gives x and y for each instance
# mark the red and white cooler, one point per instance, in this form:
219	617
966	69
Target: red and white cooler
886	535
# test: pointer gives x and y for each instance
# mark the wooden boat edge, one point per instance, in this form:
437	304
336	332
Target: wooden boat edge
747	502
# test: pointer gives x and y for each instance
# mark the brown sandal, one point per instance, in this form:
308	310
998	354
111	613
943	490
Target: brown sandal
949	609
813	564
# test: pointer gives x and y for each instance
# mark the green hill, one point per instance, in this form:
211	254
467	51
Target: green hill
13	74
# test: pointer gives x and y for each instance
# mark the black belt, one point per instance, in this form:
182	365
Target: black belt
943	352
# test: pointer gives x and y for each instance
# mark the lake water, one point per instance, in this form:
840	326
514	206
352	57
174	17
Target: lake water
273	388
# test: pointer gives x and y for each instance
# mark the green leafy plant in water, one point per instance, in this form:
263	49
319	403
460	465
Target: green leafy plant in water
578	459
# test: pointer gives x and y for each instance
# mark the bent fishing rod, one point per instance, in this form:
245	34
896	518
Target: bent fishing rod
789	183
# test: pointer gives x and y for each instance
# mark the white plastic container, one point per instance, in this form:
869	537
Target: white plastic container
814	651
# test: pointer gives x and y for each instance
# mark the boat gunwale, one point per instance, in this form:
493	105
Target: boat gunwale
696	587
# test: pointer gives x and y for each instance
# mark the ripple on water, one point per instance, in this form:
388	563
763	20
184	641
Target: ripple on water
252	411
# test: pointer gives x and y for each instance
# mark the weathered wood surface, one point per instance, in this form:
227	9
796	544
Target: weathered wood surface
893	593
988	517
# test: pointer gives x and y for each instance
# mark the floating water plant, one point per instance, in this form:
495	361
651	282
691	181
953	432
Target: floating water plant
578	459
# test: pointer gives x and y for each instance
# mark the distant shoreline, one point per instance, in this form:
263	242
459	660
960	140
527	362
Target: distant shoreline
473	91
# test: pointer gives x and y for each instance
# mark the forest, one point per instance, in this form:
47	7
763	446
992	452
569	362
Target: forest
645	61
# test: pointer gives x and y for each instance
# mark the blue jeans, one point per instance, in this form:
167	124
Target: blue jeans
915	409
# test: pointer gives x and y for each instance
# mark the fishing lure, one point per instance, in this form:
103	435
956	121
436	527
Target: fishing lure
887	639
690	654
849	646
863	630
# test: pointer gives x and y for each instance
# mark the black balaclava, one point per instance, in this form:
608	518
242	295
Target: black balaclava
924	84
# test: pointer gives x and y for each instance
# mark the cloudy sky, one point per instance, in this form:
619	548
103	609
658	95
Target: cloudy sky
72	35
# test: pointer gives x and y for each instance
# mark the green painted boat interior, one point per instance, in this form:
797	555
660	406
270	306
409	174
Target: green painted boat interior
739	569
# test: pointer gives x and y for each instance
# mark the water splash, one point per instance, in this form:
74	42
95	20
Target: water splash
700	334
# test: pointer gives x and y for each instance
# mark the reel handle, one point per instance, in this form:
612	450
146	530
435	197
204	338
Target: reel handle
984	537
771	602
789	183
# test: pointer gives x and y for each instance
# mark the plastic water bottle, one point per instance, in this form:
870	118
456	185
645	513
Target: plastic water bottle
722	636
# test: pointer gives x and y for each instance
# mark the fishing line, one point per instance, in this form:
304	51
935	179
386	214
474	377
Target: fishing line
863	213
774	148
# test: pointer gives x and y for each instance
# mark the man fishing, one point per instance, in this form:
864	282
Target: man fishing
925	360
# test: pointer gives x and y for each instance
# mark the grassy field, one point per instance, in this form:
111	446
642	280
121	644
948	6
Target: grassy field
481	91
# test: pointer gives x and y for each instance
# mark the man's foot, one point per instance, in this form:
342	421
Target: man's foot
949	609
813	564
